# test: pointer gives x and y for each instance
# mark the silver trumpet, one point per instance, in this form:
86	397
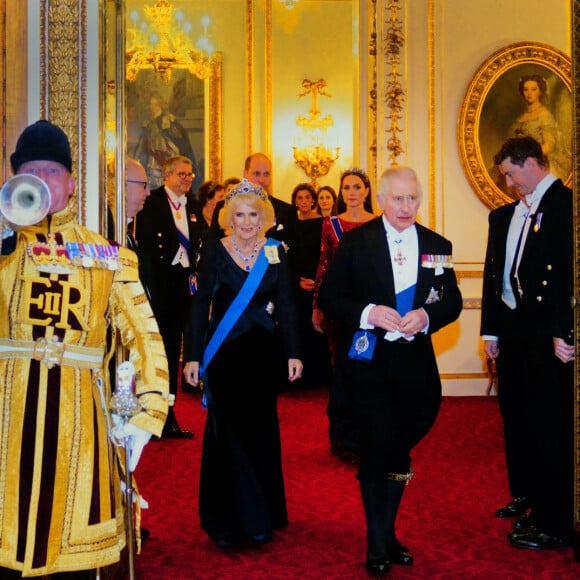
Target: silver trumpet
24	200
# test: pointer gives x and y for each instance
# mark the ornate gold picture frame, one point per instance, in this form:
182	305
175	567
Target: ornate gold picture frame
522	89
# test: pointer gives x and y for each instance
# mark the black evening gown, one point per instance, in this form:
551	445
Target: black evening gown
241	483
304	262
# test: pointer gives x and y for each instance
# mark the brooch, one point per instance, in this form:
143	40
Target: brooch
272	254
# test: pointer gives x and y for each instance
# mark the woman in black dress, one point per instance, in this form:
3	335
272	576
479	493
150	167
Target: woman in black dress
304	262
241	493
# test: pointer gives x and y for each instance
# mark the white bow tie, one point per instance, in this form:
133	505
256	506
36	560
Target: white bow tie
522	210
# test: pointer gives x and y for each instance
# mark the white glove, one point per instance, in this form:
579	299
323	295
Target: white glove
136	438
131	437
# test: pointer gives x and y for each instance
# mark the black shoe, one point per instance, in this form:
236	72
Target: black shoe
378	566
226	544
399	554
515	508
145	533
174	431
525	523
536	540
260	539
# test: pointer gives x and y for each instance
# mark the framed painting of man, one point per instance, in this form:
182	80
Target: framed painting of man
523	89
166	119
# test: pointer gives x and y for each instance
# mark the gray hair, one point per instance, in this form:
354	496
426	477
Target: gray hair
392	173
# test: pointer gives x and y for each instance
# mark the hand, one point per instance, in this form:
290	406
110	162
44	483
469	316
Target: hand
491	349
384	317
318	320
294	369
564	351
413	322
307	284
191	373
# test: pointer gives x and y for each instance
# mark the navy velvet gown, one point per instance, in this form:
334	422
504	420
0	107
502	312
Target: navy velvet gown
241	492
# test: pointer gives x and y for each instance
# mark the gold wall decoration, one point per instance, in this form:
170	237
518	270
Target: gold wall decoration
313	155
63	79
250	76
14	54
576	157
394	42
493	109
371	117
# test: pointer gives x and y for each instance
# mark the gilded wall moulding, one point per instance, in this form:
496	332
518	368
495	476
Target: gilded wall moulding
576	92
394	95
522	89
63	70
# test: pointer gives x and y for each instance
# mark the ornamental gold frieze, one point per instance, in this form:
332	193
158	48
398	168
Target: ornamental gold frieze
394	41
63	70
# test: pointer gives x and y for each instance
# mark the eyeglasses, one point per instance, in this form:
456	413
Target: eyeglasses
142	183
184	175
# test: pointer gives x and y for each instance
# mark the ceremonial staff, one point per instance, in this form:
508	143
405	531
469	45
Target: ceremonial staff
124	404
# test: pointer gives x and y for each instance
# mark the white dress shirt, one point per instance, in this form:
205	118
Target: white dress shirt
179	210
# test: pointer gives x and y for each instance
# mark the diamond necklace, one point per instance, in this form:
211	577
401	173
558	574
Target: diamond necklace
245	259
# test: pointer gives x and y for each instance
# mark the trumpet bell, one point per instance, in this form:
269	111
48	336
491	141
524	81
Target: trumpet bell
24	200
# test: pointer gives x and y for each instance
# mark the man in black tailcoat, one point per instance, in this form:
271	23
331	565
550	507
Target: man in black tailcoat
258	170
391	285
167	253
527	326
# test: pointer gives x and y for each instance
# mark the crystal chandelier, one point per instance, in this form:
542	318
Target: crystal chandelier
163	43
315	157
289	3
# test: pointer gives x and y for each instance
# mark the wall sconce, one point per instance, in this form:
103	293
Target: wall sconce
166	44
315	157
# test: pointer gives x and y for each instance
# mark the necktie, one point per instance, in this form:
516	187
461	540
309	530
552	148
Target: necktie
516	287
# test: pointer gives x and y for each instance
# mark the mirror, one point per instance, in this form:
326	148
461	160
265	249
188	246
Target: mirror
253	46
158	97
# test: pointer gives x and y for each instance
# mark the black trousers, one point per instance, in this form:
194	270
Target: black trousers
171	310
395	400
536	398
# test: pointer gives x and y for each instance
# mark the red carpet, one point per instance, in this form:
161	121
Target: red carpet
446	518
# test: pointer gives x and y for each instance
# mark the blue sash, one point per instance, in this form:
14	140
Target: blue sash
182	239
405	300
335	223
237	306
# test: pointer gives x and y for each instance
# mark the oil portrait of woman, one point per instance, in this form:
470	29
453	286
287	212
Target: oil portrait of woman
532	100
537	121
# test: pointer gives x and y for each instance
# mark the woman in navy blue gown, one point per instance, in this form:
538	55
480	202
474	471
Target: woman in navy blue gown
242	493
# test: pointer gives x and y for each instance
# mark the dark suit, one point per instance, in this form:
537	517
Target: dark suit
168	285
361	274
394	397
535	388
